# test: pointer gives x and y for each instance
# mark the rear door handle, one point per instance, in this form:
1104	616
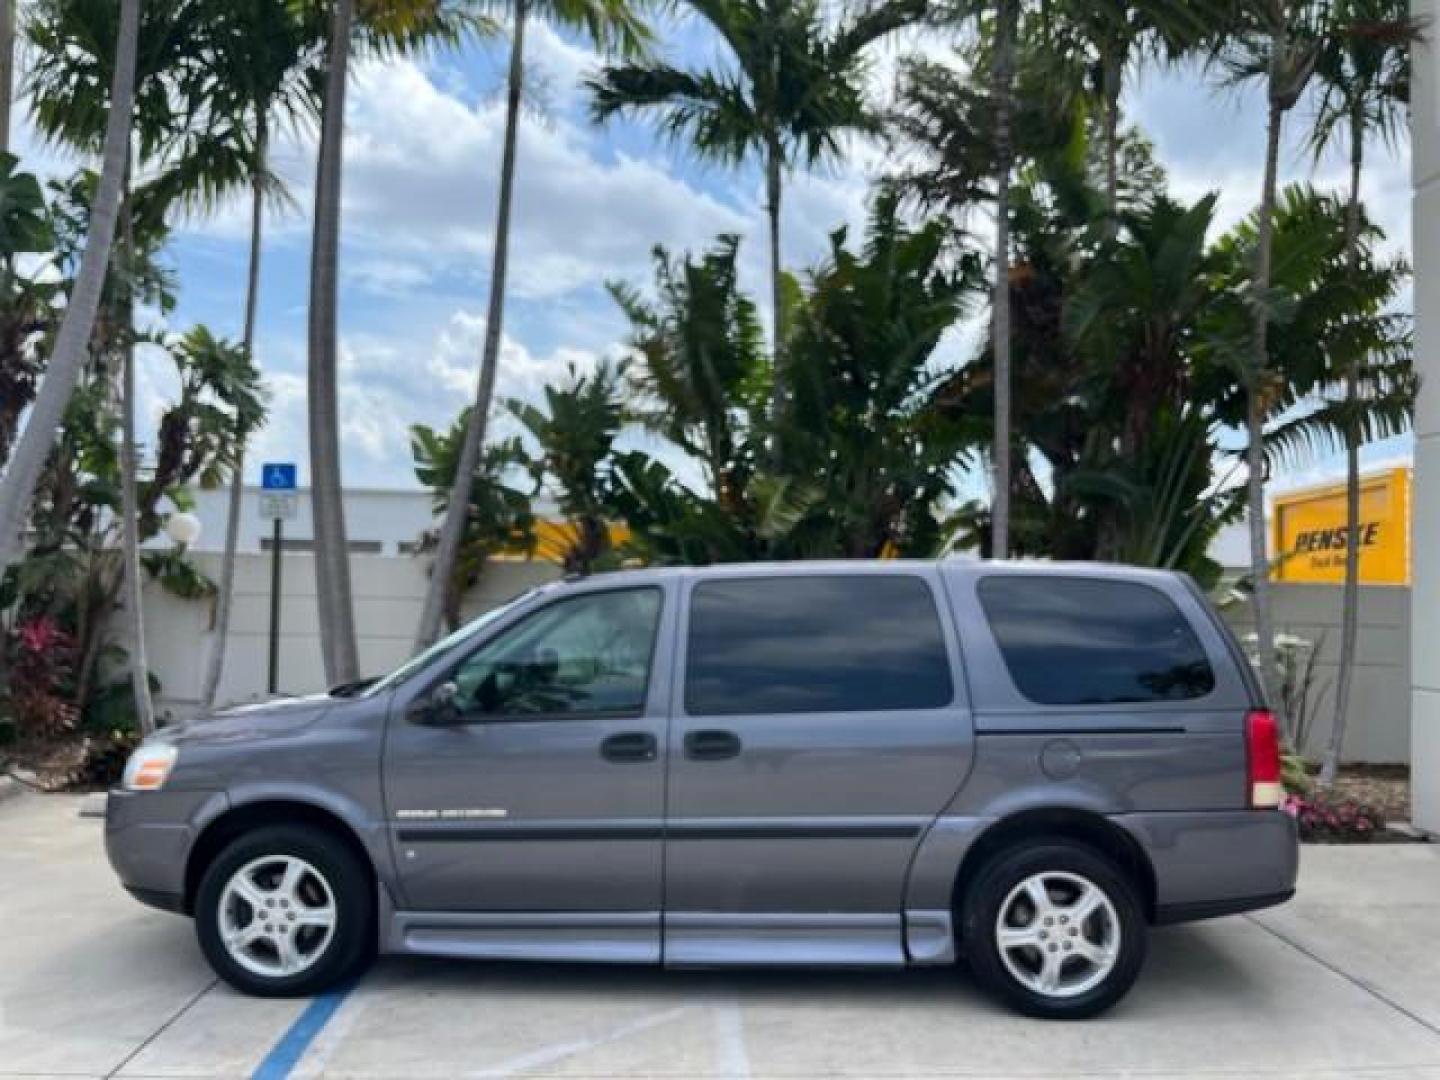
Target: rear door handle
631	746
712	745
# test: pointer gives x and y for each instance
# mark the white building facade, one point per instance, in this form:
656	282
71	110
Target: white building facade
377	521
1425	612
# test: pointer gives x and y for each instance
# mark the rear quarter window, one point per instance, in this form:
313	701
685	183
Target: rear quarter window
1091	641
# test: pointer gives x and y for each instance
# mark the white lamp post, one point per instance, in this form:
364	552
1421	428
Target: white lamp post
183	528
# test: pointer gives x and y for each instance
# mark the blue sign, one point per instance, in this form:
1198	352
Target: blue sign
278	476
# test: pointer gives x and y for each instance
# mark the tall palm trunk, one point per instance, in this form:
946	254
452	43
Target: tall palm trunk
774	164
1350	596
215	664
452	529
131	574
332	555
1255	415
1004	161
7	69
1113	76
67	359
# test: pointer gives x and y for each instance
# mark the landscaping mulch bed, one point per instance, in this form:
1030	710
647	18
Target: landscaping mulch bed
77	763
1385	787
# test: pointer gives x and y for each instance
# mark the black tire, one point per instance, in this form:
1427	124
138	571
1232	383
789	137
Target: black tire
351	943
1004	873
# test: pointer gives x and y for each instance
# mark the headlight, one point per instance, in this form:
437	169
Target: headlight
149	767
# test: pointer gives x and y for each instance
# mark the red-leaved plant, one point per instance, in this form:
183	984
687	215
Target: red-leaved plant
1330	821
42	656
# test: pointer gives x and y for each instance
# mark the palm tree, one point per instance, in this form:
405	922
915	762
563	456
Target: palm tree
611	25
1007	14
795	88
67	360
71	62
268	60
1364	71
264	51
7	69
1277	42
968	127
332	557
129	497
1347	350
1109	37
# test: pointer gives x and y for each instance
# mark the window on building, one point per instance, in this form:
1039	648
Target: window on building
355	547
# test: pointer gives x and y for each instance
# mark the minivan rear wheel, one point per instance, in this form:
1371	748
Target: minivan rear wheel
285	911
1054	928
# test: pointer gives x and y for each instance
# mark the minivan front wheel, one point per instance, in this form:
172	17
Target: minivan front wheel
1055	928
285	910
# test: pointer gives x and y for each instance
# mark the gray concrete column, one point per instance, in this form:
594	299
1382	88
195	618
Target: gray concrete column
1425	596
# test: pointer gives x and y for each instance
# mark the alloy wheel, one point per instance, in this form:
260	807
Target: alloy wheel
1058	934
277	916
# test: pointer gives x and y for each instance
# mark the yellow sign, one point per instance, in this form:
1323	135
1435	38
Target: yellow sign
1309	534
554	538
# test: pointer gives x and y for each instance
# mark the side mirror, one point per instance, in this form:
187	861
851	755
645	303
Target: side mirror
439	708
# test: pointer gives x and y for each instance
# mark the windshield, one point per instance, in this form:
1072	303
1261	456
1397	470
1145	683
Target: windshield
457	640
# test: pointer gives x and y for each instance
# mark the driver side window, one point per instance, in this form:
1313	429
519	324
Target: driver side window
587	655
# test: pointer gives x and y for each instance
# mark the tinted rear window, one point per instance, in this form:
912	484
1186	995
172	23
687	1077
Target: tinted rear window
1086	641
815	644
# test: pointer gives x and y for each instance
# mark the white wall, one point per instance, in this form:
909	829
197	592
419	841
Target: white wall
388	592
1379	727
389	518
1425	537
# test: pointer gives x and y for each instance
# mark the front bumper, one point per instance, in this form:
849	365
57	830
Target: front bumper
148	838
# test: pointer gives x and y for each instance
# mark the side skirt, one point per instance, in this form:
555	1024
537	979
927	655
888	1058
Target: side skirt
590	937
706	939
691	939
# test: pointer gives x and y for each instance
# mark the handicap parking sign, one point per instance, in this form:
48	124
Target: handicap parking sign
278	476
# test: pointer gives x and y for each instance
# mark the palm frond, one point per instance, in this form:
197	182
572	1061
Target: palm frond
707	110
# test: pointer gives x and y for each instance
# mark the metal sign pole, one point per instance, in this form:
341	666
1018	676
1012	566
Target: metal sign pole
277	502
277	542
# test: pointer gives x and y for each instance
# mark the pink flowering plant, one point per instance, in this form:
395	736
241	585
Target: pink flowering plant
1326	820
40	657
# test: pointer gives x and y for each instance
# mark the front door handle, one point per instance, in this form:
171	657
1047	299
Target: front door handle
711	745
631	746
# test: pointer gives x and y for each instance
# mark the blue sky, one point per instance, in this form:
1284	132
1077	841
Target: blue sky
422	157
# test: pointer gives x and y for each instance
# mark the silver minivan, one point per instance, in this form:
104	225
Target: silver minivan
859	764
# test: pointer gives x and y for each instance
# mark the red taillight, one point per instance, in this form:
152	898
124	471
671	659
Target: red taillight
1262	754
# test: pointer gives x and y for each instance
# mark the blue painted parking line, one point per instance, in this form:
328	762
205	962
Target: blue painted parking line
286	1053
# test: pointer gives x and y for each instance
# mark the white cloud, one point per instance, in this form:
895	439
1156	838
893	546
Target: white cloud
382	276
388	383
422	180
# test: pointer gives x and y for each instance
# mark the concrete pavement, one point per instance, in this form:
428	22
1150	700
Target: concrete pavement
1340	983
